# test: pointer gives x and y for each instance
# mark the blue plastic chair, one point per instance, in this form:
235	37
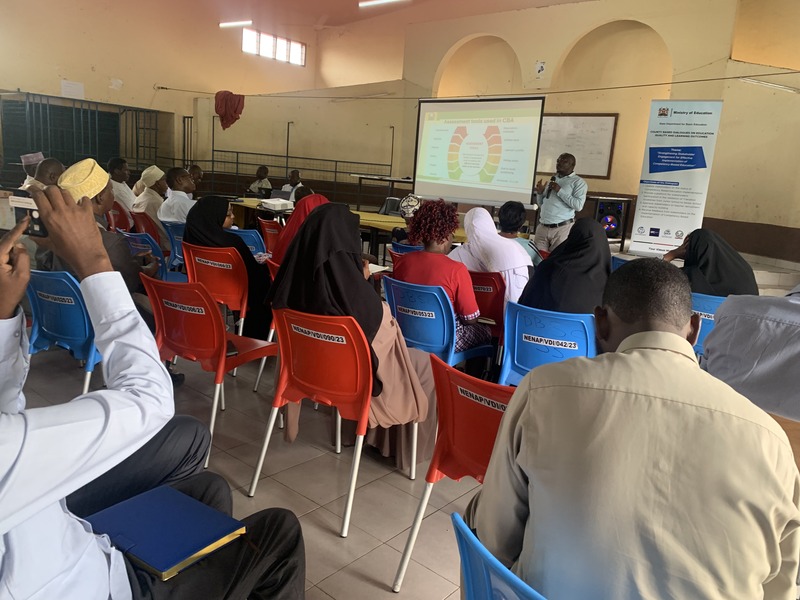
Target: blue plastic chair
175	232
617	262
705	306
144	242
534	337
399	248
252	238
485	577
427	320
60	319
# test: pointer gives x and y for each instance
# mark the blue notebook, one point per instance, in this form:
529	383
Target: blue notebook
165	531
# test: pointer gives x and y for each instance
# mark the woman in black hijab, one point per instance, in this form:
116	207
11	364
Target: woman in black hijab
322	273
205	226
713	266
572	278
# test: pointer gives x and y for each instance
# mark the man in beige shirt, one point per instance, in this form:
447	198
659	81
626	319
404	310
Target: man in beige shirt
638	475
154	182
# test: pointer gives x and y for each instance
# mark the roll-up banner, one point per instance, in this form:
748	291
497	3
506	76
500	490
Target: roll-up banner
679	151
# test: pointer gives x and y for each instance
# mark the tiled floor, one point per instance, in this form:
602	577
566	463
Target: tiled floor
308	478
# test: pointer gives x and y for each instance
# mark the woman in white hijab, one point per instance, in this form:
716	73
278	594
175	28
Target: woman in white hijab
489	252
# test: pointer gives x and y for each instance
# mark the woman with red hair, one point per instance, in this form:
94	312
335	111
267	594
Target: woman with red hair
433	225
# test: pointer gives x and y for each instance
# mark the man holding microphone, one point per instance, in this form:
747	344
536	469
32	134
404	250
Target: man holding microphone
559	200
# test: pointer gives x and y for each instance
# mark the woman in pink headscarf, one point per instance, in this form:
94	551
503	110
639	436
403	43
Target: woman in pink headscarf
302	209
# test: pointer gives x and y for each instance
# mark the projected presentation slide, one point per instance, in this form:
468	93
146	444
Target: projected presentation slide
479	151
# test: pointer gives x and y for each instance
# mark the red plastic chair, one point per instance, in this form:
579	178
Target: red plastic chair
342	380
490	293
119	218
470	410
144	224
189	325
273	271
270	230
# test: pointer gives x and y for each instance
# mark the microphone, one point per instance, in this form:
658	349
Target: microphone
550	189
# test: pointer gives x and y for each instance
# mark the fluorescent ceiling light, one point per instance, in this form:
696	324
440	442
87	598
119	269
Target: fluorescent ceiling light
367	3
236	24
769	84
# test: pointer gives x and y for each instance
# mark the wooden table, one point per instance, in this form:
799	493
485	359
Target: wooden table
245	211
380	178
377	223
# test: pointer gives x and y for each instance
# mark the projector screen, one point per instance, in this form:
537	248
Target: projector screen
478	151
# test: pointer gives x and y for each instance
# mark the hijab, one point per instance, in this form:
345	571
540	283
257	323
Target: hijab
486	250
322	274
715	268
573	277
301	211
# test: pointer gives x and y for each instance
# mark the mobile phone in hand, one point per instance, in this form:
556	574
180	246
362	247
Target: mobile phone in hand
23	206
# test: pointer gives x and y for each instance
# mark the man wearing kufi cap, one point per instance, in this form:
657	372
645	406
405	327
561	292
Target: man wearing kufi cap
154	184
29	163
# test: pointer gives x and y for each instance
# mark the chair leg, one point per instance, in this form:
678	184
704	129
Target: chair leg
87	378
267	435
280	420
222	396
241	328
412	538
412	472
214	403
260	371
348	509
338	432
271	335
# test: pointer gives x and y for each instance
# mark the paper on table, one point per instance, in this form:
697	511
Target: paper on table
376	269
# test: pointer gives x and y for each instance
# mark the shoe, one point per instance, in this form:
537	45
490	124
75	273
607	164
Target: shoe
177	378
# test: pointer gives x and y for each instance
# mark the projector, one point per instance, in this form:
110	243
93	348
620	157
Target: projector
277	205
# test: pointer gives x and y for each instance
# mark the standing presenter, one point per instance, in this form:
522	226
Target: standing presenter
559	200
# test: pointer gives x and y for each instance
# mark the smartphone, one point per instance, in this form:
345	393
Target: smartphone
23	206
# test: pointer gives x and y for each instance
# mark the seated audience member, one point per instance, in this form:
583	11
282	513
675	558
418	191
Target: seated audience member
323	273
196	173
178	203
47	173
408	207
302	209
572	278
636	474
294	183
488	252
151	198
434	225
110	441
754	349
512	216
713	266
29	163
205	226
119	172
261	181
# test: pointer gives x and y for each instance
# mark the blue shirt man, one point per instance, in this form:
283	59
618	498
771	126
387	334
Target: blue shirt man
559	200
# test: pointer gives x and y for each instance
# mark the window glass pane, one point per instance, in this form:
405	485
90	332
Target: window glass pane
297	53
267	46
281	49
249	41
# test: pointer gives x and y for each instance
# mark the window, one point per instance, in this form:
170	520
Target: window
270	46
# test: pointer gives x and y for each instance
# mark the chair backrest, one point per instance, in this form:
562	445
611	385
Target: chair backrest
485	577
390	205
490	293
145	224
175	233
534	337
59	315
144	242
273	268
222	271
617	262
119	218
252	238
470	410
399	248
188	323
425	316
270	230
326	359
705	306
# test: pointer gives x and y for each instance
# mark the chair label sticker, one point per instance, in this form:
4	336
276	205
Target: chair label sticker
195	310
543	341
318	335
705	315
213	263
52	298
488	402
425	314
485	289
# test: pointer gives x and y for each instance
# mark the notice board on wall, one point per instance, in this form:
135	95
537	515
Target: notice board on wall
589	137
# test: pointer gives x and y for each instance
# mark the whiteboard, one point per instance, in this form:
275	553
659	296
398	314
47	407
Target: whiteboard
589	137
